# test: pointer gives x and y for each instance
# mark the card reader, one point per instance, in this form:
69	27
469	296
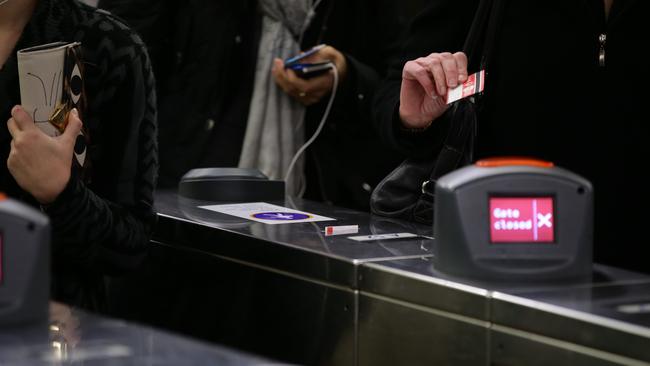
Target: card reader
230	185
24	263
513	219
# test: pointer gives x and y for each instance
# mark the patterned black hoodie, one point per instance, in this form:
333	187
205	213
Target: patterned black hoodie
101	225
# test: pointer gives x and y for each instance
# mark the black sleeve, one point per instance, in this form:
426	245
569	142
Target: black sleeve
369	62
105	225
147	17
152	20
441	27
357	90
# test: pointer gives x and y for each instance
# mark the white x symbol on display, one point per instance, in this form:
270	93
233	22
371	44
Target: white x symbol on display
544	220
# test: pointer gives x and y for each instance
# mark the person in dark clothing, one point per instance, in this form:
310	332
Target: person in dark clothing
101	220
205	56
565	84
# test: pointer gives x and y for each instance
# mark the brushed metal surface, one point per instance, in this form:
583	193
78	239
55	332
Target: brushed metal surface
509	347
589	317
297	248
396	333
74	337
608	313
416	281
399	280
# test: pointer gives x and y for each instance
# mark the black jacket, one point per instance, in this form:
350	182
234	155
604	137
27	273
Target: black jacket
205	53
547	97
102	226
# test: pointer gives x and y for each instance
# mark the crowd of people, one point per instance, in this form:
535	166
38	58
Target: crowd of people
566	83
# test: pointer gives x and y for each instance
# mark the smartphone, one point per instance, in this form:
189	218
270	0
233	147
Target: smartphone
307	71
309	52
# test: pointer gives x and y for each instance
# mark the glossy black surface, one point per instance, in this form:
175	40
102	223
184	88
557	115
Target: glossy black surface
611	317
416	274
416	281
625	302
77	338
423	268
608	312
301	249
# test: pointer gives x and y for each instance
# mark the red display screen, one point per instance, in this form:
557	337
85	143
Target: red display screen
522	220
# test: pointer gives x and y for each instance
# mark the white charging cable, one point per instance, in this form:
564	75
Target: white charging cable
2	2
320	126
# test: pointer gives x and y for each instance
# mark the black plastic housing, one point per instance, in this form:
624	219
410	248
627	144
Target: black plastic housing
230	185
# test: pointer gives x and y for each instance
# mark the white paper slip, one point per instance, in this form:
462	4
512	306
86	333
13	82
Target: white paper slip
341	230
383	237
475	84
266	213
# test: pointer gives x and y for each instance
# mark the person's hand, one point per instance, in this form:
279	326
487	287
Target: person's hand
310	91
64	324
41	164
425	83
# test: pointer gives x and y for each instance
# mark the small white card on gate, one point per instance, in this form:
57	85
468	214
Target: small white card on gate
266	213
383	237
475	84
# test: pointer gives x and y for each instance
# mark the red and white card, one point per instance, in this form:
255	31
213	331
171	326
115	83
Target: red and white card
475	84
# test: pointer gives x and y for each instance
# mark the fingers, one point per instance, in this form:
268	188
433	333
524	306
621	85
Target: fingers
73	128
13	128
306	91
324	54
439	75
22	119
419	70
287	79
461	63
318	87
11	159
279	74
300	85
327	53
438	72
450	69
310	91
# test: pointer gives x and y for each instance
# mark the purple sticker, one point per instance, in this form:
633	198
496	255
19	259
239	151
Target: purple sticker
281	216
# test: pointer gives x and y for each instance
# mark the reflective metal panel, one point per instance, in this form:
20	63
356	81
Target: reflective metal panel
297	248
397	280
509	349
394	333
416	281
611	318
609	313
74	337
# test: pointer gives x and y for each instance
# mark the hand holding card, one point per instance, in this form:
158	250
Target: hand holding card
305	68
307	77
426	81
475	84
40	163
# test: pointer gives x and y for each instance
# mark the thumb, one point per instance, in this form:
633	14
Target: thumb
278	64
22	118
73	128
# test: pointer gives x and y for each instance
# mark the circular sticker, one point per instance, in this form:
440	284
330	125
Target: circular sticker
281	216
